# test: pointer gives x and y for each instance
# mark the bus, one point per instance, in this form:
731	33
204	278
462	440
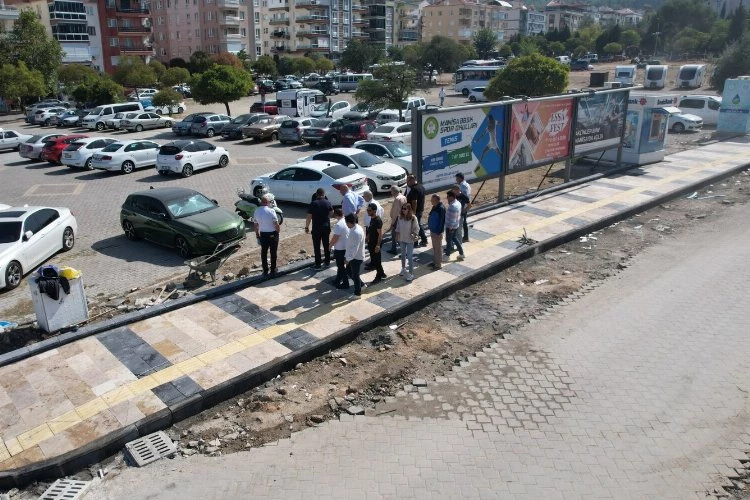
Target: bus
468	77
482	62
349	81
298	102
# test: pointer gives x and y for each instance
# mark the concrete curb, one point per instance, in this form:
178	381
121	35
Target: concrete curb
99	449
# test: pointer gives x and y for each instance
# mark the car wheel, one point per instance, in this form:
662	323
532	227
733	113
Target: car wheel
167	124
333	141
678	128
13	275
139	128
87	165
182	247
372	186
180	110
472	98
99	126
210	132
223	161
465	92
187	170
130	232
128	167
46	122
68	240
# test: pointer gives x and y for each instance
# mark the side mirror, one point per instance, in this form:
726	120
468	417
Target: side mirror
215	202
27	235
352	166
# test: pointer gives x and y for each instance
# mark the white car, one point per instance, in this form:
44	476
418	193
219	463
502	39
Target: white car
115	122
298	182
394	152
29	236
178	108
682	122
10	139
337	110
80	154
32	147
44	116
381	175
392	115
392	131
126	156
185	157
143	93
705	106
477	94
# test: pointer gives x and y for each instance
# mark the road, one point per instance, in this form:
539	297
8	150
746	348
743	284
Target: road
637	389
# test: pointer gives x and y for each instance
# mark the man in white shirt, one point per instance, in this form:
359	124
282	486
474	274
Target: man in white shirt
338	246
267	231
355	251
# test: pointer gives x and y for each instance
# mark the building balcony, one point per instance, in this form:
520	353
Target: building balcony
230	21
316	18
66	17
133	12
279	20
71	37
312	33
358	7
408	36
310	3
360	34
230	37
358	21
8	13
280	34
231	4
133	30
137	50
279	48
313	46
279	7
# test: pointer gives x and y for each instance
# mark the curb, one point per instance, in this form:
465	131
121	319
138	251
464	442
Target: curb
97	450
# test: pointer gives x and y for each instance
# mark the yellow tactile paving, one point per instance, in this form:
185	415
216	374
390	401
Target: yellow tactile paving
82	390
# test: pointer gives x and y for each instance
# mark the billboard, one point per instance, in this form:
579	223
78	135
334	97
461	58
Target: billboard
600	120
539	132
470	140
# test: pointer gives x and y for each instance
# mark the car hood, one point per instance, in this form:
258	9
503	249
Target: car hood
212	221
688	117
403	162
385	168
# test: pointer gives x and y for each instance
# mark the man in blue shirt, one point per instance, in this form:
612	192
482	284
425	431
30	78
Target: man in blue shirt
436	223
352	202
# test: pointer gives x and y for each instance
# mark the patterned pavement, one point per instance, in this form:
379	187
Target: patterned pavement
67	398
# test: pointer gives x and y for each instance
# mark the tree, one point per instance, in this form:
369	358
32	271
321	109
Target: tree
323	65
689	41
265	65
533	76
505	51
303	65
737	24
717	38
72	75
133	72
393	84
612	48
285	65
102	90
158	68
527	46
359	56
228	59
630	37
221	84
167	98
395	53
17	82
199	62
484	41
178	62
444	54
557	48
175	75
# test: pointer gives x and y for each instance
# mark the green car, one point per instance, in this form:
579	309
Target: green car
180	218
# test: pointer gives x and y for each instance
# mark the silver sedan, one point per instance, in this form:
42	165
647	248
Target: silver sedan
145	121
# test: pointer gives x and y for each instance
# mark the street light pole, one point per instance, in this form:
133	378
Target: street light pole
656	42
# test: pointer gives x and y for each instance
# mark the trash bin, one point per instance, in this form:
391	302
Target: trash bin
597	78
67	310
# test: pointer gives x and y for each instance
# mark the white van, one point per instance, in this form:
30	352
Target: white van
391	115
691	76
298	102
348	81
625	75
98	116
655	76
563	59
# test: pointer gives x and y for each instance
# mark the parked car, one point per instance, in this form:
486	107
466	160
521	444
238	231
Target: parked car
362	111
31	235
298	182
324	131
330	110
394	152
682	122
59	120
381	175
269	107
185	157
10	139
264	128
31	111
183	127
180	218
291	129
234	129
266	86
209	125
53	148
326	85
392	131
477	94
143	93
43	116
143	121
705	106
32	147
178	108
356	131
115	123
80	153
126	156
407	106
581	65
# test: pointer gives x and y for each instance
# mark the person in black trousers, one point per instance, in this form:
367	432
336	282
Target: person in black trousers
319	213
415	197
374	242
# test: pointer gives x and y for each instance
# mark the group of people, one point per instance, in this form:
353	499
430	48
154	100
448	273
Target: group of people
345	239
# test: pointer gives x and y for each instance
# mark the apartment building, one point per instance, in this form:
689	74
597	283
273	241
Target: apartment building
409	20
75	24
531	22
570	15
461	19
39	7
8	14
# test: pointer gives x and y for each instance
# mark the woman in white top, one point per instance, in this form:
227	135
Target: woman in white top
407	232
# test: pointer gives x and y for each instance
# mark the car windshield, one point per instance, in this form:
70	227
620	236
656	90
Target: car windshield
385	128
321	107
337	171
361	107
33	139
97	110
322	123
169	149
241	119
365	159
131	115
10	232
119	115
398	150
189	118
264	121
193	204
112	147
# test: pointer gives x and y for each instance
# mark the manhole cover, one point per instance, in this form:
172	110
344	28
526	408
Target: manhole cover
68	489
151	448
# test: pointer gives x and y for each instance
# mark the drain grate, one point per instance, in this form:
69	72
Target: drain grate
151	448
65	489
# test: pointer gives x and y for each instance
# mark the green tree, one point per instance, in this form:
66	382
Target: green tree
557	48
103	90
228	59
133	72
395	53
175	75
393	84
737	24
533	75
168	98
72	75
199	62
733	62
484	42
303	65
690	41
717	38
323	65
527	46
444	54
265	65
359	56
612	48
505	51
222	84
630	37
19	83
158	68
285	65
178	62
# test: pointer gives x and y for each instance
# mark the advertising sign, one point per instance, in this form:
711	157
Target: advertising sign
539	132
600	120
734	114
468	140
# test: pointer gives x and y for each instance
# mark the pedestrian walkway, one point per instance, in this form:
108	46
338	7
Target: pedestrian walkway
85	399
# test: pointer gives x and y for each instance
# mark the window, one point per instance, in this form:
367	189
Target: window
256	17
242	15
91	30
111	23
257	33
258	51
177	35
158	4
114	42
160	20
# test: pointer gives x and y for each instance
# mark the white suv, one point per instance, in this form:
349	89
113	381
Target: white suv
705	106
391	115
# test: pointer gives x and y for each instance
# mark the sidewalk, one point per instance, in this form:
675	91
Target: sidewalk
79	402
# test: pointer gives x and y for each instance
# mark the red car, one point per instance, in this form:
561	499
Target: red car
268	107
53	148
356	131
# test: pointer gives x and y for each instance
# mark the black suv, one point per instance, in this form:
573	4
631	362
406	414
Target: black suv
234	129
327	86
